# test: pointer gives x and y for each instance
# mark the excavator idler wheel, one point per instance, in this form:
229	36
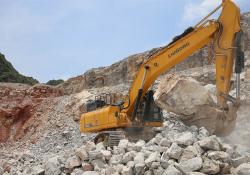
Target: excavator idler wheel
109	138
102	137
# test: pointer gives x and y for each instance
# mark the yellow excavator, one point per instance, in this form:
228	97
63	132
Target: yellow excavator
138	109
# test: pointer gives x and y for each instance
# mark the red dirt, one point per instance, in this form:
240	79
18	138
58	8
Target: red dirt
17	108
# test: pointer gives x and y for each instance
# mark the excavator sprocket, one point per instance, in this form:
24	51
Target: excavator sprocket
133	134
110	138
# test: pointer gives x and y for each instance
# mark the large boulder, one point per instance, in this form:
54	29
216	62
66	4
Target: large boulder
182	95
194	103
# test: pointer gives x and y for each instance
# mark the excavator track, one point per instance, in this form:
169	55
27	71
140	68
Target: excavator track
112	138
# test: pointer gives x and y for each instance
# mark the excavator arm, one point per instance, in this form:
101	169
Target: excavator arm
221	31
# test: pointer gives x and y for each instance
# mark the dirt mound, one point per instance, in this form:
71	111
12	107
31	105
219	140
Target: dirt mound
17	108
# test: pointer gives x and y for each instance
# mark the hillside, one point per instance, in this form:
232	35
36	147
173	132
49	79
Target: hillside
124	70
9	74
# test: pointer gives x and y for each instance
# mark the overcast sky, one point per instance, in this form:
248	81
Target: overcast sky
52	39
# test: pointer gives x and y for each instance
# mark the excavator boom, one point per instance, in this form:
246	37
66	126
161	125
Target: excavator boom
221	31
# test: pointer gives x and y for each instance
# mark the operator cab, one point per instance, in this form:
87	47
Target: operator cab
101	101
95	104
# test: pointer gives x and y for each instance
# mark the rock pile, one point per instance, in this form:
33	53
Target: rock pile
176	150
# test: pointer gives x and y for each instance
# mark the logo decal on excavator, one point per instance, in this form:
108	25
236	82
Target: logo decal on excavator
89	125
178	49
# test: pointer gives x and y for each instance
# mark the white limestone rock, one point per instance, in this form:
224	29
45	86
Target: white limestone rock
219	155
106	154
243	169
73	162
190	165
90	173
139	158
189	153
140	168
81	153
52	166
98	165
128	156
139	145
210	143
174	151
210	166
165	142
186	138
154	157
171	170
127	171
115	159
123	144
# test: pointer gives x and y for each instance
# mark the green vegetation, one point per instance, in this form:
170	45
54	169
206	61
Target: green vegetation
54	82
9	74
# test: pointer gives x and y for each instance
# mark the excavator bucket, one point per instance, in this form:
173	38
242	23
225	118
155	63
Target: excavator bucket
216	121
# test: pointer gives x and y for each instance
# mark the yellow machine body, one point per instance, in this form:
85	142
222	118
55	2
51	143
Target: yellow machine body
106	118
103	118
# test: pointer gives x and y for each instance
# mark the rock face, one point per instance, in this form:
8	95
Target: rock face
118	73
123	72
